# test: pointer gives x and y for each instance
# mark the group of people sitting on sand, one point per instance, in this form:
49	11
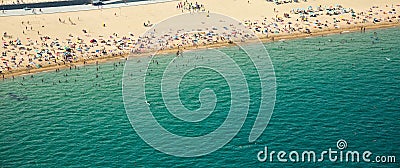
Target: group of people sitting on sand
305	20
278	2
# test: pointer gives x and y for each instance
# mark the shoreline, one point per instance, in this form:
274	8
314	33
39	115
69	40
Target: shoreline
264	39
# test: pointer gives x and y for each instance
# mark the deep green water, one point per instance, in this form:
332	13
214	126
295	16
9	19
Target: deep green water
328	88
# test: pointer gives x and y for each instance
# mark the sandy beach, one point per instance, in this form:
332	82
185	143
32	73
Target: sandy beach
42	42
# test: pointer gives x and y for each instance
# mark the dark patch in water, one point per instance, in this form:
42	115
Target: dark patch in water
17	97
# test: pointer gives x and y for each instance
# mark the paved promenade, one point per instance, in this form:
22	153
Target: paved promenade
107	4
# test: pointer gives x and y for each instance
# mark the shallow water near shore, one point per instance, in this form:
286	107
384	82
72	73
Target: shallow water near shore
328	88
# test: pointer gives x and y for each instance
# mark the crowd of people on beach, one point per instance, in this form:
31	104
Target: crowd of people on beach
51	50
306	20
279	2
190	6
16	54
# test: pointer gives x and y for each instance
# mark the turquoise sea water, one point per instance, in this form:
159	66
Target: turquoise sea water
328	88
